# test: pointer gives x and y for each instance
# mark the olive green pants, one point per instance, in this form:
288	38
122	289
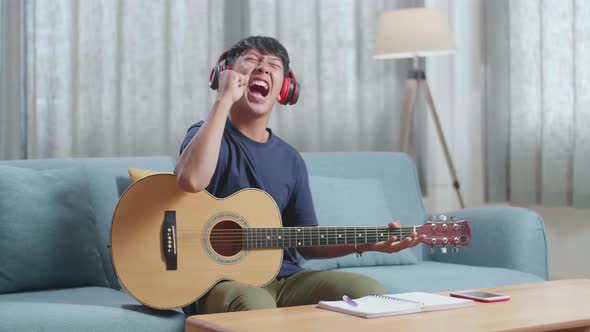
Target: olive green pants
306	287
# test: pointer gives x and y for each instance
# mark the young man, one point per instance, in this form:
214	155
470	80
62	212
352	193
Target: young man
233	149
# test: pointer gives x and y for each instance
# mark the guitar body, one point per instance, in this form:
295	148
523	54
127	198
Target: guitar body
164	248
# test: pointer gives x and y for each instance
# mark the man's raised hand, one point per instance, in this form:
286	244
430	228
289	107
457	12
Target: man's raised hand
232	85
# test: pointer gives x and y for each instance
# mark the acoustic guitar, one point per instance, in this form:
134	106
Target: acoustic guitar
169	247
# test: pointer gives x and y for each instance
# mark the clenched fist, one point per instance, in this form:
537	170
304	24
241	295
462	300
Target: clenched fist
232	85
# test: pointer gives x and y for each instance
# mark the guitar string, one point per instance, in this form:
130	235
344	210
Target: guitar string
318	229
281	246
284	245
264	242
221	239
328	228
264	234
347	240
260	235
289	244
305	234
238	240
309	240
252	234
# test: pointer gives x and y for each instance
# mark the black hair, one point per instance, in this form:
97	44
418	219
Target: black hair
263	44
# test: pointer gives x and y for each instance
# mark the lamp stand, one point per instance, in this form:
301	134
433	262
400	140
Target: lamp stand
418	77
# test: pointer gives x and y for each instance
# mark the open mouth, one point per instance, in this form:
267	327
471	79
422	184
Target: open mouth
259	88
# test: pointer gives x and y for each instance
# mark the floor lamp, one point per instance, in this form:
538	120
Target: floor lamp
414	33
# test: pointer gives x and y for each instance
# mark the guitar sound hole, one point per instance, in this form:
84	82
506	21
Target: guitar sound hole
226	238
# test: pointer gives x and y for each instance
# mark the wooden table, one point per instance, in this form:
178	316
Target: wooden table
544	306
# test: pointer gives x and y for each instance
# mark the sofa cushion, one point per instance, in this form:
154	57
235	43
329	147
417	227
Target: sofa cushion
108	179
353	202
83	309
48	235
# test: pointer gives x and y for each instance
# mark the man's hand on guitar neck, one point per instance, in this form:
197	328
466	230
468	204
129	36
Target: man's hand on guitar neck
393	244
389	246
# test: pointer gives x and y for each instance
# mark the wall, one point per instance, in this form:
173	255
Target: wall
568	231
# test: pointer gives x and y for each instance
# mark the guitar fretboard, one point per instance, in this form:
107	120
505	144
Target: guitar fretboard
290	237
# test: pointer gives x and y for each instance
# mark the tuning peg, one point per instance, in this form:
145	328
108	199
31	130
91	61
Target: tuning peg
432	251
455	250
453	218
443	217
443	250
433	217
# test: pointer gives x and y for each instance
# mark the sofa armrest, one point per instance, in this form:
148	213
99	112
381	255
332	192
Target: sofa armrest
505	237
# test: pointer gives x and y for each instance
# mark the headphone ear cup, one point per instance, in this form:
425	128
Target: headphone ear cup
290	93
284	91
215	73
214	77
290	90
295	93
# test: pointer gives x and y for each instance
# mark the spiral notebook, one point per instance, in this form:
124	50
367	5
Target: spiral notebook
395	304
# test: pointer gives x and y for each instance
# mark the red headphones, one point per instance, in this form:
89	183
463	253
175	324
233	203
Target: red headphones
289	90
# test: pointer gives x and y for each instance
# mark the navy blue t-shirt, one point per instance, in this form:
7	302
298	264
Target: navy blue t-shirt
274	166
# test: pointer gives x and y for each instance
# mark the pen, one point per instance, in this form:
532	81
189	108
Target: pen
349	301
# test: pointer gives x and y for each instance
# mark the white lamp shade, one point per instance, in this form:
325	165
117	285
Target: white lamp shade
415	32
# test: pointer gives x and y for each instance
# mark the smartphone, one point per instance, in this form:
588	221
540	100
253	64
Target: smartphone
480	296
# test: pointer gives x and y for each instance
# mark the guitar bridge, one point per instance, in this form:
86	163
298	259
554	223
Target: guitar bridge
169	240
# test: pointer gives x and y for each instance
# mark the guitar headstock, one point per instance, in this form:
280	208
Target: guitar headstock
446	233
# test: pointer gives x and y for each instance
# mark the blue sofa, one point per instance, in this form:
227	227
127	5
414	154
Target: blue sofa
46	292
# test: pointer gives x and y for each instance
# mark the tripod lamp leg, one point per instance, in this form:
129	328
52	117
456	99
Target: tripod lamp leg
409	100
443	141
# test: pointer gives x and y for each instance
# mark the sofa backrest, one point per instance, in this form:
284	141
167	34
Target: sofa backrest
359	188
107	180
394	174
365	189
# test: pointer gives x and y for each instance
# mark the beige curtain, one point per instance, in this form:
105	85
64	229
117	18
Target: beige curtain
121	78
11	80
115	78
538	102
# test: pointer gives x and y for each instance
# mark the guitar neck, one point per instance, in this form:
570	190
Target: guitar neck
291	237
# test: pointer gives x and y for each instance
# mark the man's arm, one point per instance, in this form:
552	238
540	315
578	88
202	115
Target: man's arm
389	246
197	163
